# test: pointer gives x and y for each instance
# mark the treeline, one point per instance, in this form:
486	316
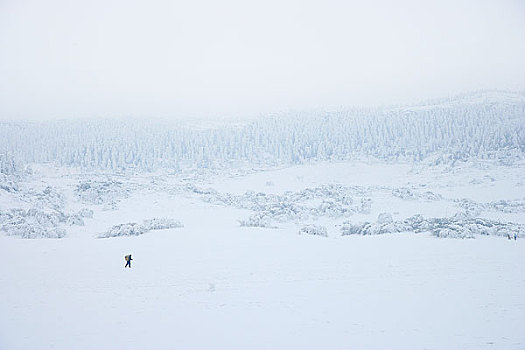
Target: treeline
489	130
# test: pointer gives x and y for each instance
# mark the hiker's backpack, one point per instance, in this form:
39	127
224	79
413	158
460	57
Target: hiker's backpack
127	257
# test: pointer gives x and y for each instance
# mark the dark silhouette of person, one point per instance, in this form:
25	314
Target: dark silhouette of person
128	259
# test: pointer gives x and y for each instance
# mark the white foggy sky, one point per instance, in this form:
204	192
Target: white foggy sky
102	58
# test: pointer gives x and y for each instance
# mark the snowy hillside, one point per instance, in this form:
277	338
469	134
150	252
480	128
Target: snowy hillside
394	228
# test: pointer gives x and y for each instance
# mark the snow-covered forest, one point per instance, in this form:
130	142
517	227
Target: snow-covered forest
485	125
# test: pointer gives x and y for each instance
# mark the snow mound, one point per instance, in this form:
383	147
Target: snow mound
135	229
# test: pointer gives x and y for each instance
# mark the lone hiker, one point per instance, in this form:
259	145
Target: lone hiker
128	259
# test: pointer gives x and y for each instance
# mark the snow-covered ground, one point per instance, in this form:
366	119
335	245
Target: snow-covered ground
239	270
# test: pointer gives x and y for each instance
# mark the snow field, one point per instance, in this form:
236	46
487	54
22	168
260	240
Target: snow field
215	284
243	288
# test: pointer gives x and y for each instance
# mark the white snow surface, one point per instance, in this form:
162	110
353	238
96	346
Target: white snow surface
299	283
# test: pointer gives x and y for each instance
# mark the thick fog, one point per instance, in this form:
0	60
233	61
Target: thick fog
67	59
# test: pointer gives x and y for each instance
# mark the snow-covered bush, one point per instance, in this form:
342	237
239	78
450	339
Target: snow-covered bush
9	166
49	197
327	200
135	229
101	192
409	194
369	228
129	229
75	220
39	223
456	232
431	196
32	223
10	173
332	208
78	218
86	213
314	230
404	193
483	180
7	183
28	230
257	220
384	218
471	207
161	224
474	208
458	226
508	206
